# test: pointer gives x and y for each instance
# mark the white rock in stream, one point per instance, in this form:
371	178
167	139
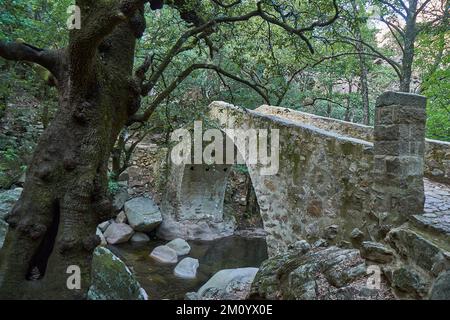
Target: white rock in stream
226	282
140	237
118	233
164	254
187	268
180	246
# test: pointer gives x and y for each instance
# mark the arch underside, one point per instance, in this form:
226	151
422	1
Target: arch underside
323	181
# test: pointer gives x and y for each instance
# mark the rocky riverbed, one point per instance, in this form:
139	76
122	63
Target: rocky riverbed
159	280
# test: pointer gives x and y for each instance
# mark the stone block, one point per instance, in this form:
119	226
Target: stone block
390	132
400	98
414	116
391	148
385	115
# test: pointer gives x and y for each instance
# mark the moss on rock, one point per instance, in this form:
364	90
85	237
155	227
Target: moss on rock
112	279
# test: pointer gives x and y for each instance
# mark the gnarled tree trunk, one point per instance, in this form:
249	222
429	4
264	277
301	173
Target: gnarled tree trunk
53	224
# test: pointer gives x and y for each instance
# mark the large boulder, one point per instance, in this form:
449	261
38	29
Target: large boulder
118	233
112	279
321	273
228	284
180	246
7	201
187	268
3	231
164	254
426	253
143	214
409	282
376	252
441	287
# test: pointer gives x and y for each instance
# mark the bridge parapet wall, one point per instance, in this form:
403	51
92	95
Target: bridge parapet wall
437	153
328	183
323	187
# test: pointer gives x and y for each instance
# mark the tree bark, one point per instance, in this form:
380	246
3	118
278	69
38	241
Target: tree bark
349	110
53	224
409	40
363	68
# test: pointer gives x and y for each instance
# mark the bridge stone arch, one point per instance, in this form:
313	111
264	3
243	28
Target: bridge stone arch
324	187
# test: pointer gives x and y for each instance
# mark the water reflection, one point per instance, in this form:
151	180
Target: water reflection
160	282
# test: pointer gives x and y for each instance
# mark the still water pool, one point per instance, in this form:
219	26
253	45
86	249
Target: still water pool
160	282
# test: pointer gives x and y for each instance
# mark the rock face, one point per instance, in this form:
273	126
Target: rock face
7	201
164	254
228	284
441	287
180	246
112	280
194	229
437	160
140	237
118	233
187	268
3	231
300	246
103	241
409	282
143	214
121	217
330	273
418	249
357	236
104	225
119	199
375	251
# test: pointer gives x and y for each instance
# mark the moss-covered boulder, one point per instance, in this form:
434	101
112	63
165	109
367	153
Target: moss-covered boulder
112	279
320	274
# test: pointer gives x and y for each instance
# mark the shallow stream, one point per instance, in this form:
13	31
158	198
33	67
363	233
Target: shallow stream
160	282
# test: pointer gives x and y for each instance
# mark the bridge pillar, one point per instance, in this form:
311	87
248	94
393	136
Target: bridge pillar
399	144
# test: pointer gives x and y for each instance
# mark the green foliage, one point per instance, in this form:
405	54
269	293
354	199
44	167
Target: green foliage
11	166
438	108
113	185
276	62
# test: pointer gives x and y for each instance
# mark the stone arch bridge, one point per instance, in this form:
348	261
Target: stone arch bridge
334	176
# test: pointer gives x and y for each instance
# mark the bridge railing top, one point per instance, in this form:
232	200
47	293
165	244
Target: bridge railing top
286	122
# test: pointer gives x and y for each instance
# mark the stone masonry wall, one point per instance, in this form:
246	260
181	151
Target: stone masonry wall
399	156
322	189
327	185
437	153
